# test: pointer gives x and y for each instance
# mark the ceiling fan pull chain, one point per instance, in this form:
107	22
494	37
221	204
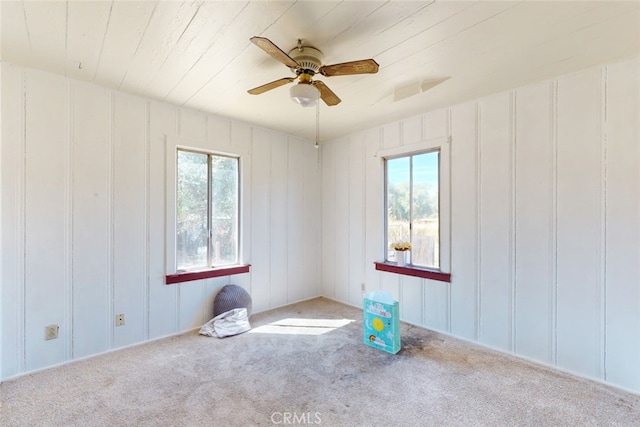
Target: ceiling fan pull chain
317	124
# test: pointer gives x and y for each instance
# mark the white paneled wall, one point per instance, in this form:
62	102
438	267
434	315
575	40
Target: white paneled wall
545	222
83	219
91	226
465	181
622	227
495	221
580	241
535	159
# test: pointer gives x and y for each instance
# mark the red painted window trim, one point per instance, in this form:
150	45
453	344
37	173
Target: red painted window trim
188	276
414	271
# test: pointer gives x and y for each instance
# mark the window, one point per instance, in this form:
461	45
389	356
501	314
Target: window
207	210
412	206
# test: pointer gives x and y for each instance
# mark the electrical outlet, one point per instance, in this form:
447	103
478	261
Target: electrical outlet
120	319
51	332
363	287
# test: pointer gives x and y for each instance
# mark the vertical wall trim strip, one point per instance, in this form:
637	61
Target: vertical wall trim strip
513	146
554	220
347	221
286	226
268	210
363	209
21	210
424	301
179	287
147	219
336	215
321	192
330	160
249	190
478	235
69	200
450	213
110	137
380	175
603	225
206	283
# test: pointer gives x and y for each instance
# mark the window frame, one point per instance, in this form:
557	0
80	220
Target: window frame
209	154
173	275
411	204
442	145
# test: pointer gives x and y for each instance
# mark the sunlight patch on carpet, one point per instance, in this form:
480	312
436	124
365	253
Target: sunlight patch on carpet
297	326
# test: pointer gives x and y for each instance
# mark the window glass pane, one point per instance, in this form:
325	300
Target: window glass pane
398	206
425	198
224	210
192	197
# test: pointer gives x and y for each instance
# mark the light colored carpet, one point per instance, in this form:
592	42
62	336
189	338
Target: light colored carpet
306	369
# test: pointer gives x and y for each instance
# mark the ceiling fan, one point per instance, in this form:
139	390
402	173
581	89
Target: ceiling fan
305	62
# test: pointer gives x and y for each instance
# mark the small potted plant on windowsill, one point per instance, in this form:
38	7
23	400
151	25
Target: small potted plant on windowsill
402	250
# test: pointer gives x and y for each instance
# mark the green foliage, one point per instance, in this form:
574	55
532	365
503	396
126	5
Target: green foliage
425	201
191	212
224	207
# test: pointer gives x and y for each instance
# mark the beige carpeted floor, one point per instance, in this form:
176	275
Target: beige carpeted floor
306	364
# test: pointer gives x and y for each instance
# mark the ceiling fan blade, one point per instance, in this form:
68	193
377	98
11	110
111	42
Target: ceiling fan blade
273	50
364	66
274	84
326	94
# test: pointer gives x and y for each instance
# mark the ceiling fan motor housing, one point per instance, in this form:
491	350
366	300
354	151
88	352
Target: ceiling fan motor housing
309	58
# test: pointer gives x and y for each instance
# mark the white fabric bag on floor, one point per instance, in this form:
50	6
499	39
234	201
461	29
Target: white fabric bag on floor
232	322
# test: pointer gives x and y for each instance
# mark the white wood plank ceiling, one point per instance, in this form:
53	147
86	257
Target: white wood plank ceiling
197	53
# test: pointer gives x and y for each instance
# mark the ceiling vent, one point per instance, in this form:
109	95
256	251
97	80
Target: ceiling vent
416	88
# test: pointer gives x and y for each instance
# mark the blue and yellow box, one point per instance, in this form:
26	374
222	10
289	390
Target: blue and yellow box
382	321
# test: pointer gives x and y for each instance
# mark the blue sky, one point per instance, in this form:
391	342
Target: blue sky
425	168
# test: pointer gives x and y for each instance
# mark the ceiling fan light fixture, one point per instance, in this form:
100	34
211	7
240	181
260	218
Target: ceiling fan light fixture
304	94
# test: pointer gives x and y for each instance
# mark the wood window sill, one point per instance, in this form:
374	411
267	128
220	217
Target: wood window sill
188	276
410	270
